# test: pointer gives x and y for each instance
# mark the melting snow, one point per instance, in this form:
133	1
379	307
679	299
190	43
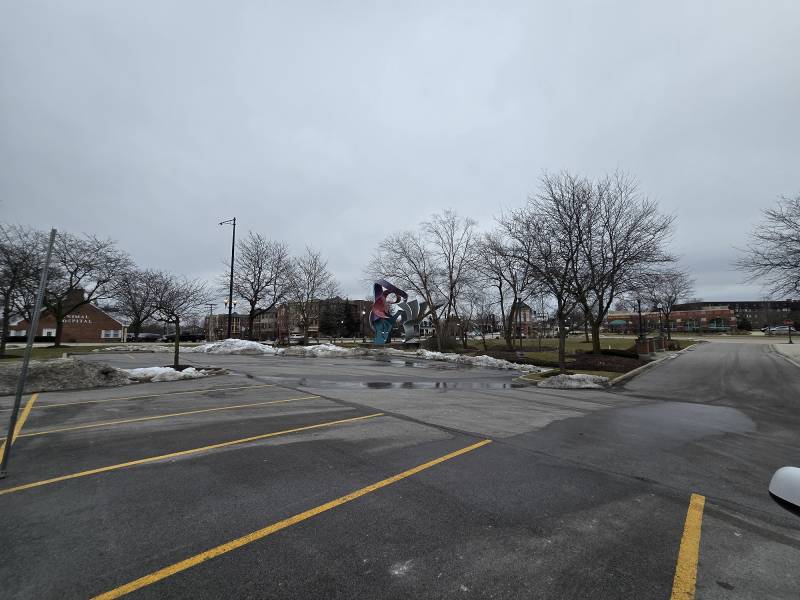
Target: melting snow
164	374
232	346
577	381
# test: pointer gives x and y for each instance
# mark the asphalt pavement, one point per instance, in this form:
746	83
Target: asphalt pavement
365	478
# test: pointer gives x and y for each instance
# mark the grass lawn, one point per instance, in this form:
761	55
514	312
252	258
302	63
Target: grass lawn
50	352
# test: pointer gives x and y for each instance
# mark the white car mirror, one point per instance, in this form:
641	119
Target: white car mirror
785	488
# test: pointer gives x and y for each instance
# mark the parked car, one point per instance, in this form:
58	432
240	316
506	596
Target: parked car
185	337
779	329
144	337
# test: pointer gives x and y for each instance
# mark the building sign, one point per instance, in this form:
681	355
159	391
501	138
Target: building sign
77	319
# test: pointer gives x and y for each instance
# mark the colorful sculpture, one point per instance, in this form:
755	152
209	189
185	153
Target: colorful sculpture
381	318
385	313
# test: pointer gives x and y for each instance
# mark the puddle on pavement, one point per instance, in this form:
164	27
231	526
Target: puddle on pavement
408	385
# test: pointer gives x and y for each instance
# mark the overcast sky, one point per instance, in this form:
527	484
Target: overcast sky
335	123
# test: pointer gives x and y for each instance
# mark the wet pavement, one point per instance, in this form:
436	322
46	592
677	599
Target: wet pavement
580	493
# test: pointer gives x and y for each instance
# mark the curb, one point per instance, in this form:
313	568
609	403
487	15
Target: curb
631	374
785	356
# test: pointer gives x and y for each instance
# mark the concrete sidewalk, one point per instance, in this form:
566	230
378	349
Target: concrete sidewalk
790	350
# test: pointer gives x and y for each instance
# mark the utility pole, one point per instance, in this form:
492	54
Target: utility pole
23	374
233	255
210	334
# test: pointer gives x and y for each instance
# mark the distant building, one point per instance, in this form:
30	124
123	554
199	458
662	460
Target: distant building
709	319
86	324
216	326
524	324
759	313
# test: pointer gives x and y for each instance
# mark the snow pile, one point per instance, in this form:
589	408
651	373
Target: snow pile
578	381
487	362
321	350
164	373
59	374
233	346
136	348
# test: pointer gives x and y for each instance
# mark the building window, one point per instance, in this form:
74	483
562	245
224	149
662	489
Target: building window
49	332
111	333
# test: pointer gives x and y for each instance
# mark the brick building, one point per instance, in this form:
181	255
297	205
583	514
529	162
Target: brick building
86	324
709	319
759	313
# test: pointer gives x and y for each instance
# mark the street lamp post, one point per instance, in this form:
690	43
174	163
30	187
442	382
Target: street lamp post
641	325
363	329
660	322
230	305
233	254
210	335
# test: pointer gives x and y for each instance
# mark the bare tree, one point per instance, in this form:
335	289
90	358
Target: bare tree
178	300
477	310
261	275
310	282
436	264
544	236
136	295
83	270
20	257
618	233
663	290
451	239
406	261
509	276
773	254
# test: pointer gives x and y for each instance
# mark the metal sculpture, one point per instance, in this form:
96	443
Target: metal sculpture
386	313
381	318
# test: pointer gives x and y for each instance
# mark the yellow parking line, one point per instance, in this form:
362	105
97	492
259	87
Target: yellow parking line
200	391
270	529
20	422
178	414
683	585
151	459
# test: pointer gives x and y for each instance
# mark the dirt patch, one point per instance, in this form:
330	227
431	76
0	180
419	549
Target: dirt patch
581	361
59	374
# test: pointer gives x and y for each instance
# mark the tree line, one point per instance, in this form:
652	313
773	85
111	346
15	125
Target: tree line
87	269
579	246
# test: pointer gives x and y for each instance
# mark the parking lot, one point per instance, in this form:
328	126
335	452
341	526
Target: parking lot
345	478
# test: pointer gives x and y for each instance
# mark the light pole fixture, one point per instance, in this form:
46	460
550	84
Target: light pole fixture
233	253
363	329
641	325
210	306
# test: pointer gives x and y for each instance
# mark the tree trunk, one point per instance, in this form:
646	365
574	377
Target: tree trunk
6	317
596	337
176	362
509	330
59	330
586	330
250	318
669	331
562	344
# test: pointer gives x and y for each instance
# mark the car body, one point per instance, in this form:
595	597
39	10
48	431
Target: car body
779	329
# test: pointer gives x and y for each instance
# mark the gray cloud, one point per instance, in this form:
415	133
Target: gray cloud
331	124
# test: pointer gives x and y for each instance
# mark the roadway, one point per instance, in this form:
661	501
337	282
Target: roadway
345	478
